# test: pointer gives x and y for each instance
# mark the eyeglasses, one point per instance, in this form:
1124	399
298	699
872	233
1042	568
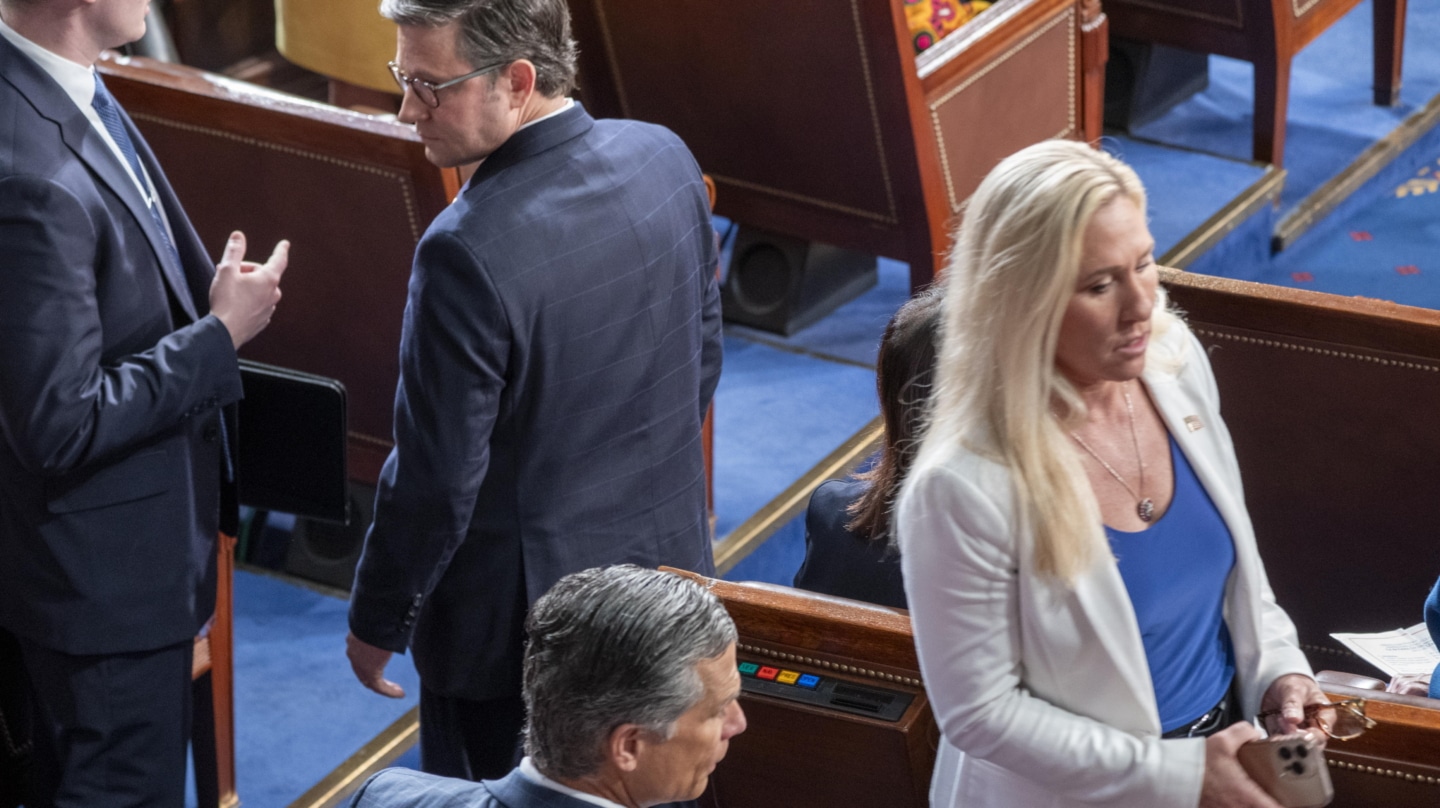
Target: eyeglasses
1347	718
428	91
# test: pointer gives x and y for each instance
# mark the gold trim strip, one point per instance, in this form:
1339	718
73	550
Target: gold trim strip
610	56
1262	192
406	189
1290	346
809	200
874	109
828	665
742	541
1067	17
370	439
1325	199
1409	777
392	742
1300	7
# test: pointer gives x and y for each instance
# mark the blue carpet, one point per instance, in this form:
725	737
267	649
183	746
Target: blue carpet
1185	187
777	414
299	712
1331	117
1385	249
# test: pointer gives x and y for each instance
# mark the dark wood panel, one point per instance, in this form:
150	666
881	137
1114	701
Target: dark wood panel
1331	404
352	192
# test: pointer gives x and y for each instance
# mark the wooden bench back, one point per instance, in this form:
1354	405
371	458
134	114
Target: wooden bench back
802	755
1332	403
352	192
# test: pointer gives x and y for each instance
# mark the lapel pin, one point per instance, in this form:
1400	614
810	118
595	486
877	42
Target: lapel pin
1192	423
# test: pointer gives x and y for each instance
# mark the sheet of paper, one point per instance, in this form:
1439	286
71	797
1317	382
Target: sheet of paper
1408	651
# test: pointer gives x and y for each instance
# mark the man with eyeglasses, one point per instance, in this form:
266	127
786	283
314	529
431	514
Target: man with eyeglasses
561	344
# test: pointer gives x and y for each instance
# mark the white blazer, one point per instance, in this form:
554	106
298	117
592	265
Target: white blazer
1042	692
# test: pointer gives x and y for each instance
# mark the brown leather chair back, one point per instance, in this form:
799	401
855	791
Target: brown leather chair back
352	192
1332	404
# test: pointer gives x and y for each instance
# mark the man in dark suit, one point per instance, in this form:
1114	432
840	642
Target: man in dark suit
117	356
631	687
561	344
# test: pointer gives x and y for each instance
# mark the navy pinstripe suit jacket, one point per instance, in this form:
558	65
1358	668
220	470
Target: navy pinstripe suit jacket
403	788
561	344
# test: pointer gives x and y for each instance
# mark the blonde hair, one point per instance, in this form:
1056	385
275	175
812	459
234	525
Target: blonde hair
1009	280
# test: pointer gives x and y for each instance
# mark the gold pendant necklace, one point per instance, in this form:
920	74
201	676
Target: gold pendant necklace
1144	506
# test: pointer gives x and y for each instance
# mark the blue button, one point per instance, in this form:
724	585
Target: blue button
808	680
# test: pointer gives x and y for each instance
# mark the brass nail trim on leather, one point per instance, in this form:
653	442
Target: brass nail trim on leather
1290	346
1067	18
828	665
1409	777
403	180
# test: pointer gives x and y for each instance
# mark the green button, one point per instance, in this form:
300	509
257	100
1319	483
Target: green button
748	668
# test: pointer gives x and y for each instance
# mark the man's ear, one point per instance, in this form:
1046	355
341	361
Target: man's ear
520	74
625	746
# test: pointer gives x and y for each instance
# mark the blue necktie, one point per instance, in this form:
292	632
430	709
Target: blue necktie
109	112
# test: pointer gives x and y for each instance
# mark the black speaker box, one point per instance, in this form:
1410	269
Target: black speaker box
1143	81
782	284
326	552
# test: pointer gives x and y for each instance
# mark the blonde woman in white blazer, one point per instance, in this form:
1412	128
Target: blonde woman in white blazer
1061	382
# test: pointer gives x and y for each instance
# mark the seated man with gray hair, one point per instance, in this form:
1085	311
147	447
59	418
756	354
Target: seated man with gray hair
631	688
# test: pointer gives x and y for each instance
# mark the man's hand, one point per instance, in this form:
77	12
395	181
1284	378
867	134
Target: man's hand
369	662
1226	785
1288	696
244	294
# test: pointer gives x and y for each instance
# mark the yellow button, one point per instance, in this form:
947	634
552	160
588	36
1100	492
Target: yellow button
787	677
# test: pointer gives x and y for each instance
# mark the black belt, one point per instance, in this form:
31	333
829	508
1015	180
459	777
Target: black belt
1215	719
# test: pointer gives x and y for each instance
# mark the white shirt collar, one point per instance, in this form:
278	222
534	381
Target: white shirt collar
527	766
77	80
569	102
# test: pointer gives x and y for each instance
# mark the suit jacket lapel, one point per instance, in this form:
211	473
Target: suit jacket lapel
1175	407
98	152
187	243
1106	602
51	102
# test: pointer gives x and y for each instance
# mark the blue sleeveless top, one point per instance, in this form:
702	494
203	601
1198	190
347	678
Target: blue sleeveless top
1175	572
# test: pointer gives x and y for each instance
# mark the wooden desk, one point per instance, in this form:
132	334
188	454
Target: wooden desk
1268	34
818	121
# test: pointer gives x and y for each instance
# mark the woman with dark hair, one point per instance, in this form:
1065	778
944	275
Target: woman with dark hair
848	551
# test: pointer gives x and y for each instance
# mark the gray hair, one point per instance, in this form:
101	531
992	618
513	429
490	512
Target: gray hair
502	31
612	646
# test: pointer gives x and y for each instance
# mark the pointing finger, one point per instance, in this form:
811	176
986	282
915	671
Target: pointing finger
280	257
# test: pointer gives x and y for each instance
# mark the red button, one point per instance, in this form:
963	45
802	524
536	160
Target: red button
767	673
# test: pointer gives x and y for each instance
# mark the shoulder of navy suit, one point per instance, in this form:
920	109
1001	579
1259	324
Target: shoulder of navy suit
515	790
406	788
533	140
35	86
51	102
